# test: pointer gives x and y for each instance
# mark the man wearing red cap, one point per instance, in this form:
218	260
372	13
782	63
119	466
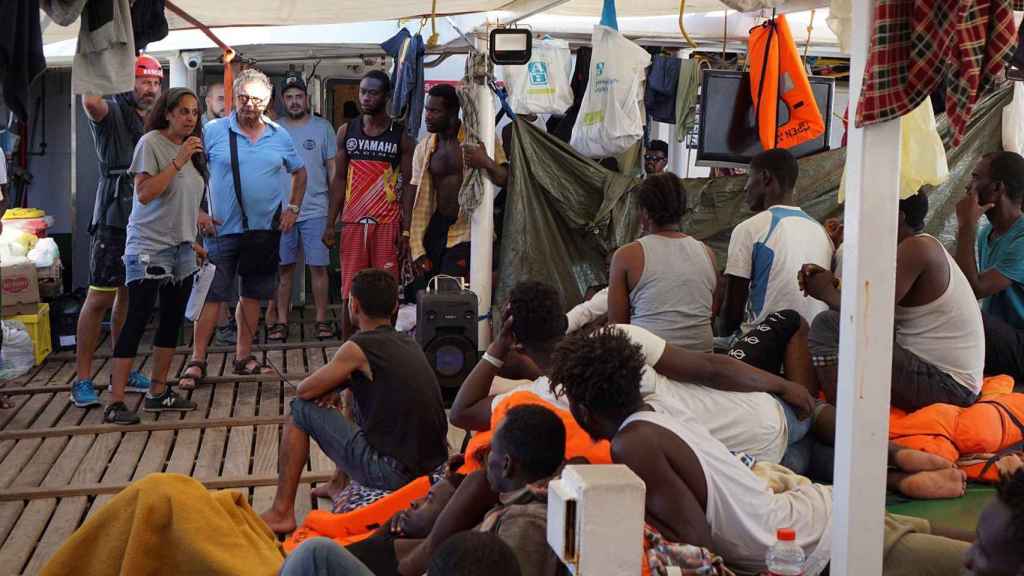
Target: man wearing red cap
117	122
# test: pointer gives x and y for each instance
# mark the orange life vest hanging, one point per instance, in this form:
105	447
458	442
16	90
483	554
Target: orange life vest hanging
778	79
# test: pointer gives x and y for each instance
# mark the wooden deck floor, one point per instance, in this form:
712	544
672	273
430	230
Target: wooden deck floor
59	463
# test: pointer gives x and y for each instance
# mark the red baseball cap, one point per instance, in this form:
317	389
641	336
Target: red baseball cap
146	65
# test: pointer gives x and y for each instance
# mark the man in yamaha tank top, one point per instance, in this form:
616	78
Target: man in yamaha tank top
374	170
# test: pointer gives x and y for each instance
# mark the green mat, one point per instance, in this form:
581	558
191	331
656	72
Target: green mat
959	513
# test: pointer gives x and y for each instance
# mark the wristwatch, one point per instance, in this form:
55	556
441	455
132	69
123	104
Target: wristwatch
294	209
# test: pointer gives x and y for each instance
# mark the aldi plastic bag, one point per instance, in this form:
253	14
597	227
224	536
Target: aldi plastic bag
543	85
611	117
17	354
1013	121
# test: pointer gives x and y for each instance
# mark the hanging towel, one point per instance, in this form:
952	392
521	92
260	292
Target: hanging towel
686	97
62	12
105	59
662	89
21	52
407	96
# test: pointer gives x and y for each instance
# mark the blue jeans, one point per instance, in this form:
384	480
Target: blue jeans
174	263
323	557
347	446
800	443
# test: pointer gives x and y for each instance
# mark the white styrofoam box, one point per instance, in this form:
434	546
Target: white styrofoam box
596	520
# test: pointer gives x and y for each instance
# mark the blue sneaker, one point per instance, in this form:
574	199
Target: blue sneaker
137	382
83	394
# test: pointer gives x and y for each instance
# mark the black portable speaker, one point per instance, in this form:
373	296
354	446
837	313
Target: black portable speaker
446	328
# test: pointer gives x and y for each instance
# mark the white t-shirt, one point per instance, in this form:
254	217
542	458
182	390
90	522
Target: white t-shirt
769	249
742	511
749	422
587	311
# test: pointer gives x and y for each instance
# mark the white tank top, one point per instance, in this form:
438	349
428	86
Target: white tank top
948	332
675	293
742	511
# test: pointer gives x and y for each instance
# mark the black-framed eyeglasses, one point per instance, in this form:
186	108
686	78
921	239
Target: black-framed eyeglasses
653	158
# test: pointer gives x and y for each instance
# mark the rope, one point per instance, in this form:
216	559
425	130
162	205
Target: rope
810	29
477	71
227	51
434	36
682	28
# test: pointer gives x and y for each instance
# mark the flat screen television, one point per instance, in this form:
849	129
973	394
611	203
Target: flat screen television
728	132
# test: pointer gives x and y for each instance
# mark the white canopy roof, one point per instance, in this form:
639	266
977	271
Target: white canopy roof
288	12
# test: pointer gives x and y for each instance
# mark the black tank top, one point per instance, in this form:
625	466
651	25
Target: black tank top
401	410
383	148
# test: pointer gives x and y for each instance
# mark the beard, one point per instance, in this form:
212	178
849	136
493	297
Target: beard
295	115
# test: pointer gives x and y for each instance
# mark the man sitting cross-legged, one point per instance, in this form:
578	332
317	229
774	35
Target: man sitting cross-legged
698	492
747	409
400	431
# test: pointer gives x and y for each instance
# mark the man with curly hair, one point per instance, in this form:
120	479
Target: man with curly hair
700	493
740	404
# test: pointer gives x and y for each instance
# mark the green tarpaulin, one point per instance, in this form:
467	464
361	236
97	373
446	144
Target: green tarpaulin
565	214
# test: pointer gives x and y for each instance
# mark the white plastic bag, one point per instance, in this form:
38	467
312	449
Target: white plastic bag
18	354
544	84
200	288
611	117
1013	121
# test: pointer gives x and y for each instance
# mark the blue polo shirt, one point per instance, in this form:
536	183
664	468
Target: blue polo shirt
1005	254
262	168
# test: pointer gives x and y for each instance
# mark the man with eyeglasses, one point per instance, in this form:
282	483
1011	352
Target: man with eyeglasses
656	159
265	149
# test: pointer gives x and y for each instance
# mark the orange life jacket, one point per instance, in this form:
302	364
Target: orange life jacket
993	424
359	524
777	77
578	444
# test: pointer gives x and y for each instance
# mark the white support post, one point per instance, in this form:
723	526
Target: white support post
865	357
482	224
181	75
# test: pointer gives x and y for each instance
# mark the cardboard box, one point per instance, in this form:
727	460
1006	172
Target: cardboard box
19	284
51	282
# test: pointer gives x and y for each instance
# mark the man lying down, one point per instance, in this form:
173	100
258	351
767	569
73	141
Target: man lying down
749	410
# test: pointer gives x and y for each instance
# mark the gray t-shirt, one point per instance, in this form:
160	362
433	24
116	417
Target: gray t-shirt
315	143
169	219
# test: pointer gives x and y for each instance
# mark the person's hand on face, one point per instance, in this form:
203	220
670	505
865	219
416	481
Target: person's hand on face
816	282
970	209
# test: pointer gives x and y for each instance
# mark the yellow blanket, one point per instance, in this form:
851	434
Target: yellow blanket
170	524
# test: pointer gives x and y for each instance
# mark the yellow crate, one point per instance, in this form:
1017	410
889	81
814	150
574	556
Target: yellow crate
38	325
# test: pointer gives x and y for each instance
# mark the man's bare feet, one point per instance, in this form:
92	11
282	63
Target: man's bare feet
5	403
934	484
279	523
1009	465
910	461
332	489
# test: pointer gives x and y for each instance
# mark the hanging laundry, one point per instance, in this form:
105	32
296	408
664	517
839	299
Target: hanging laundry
21	52
916	44
686	97
104	62
148	22
662	89
778	80
407	96
752	5
562	129
62	12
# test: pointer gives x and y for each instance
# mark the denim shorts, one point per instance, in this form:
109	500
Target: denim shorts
175	263
224	254
310	233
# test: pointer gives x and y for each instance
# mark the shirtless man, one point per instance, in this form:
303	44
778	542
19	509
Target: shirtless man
698	492
939	348
439	233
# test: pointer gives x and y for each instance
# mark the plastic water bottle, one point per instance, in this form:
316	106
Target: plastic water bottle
785	558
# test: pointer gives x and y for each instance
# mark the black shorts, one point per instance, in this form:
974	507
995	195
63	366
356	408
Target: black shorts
764	346
106	258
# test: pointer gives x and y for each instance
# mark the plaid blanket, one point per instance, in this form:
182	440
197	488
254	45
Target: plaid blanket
918	44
